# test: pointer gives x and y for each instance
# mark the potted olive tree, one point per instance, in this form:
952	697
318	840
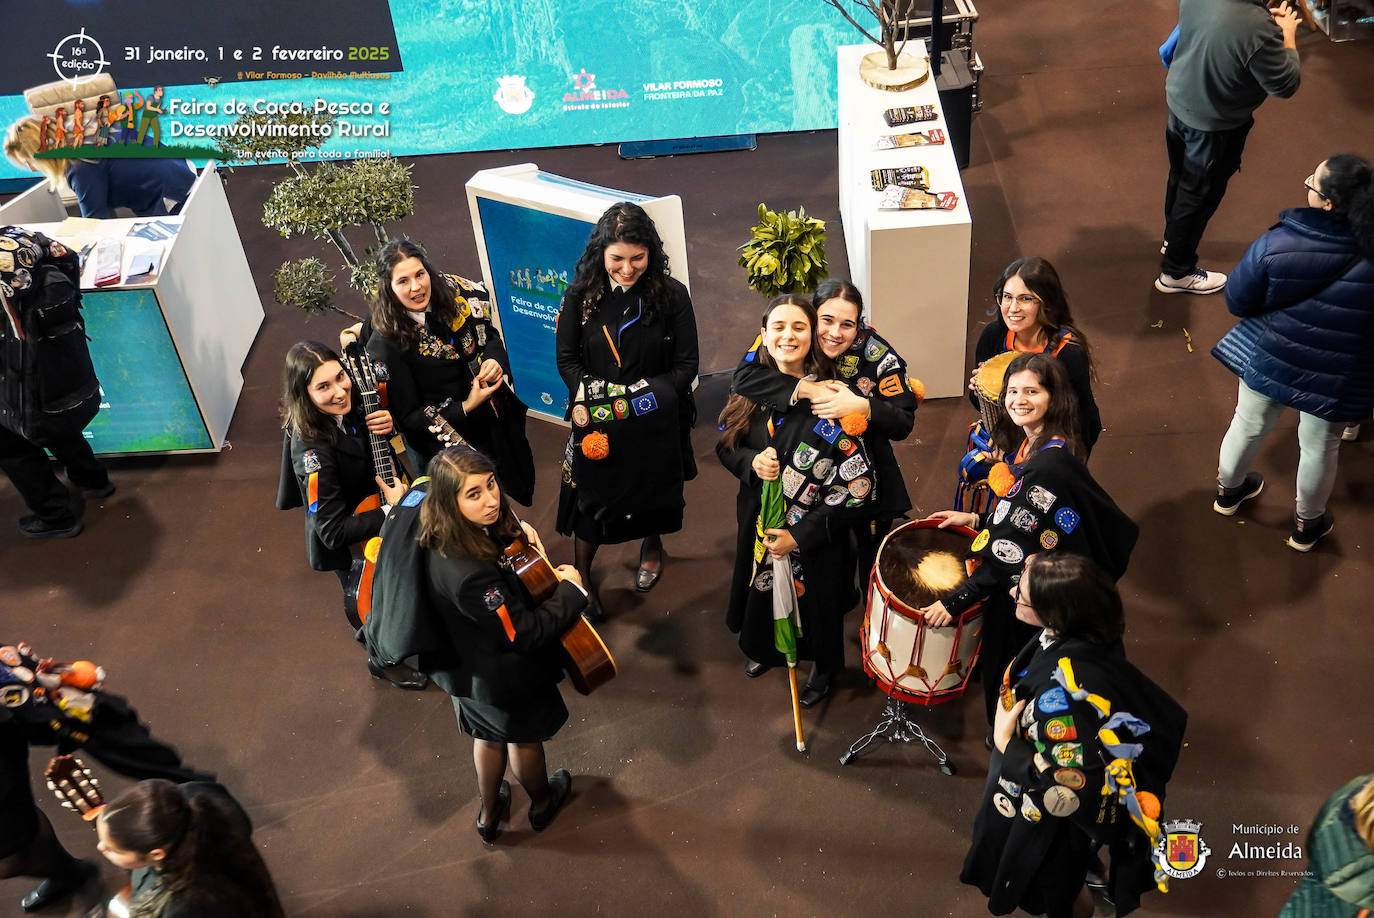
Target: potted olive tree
785	252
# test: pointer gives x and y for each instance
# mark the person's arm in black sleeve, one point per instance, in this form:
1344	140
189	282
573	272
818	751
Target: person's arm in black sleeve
568	346
893	416
335	522
739	462
686	349
513	620
1080	375
989	345
403	397
763	385
495	348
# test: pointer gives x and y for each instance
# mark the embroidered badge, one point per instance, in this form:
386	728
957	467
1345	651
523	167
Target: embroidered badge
981	541
615	390
493	599
874	350
481	336
641	384
601	413
1067	518
469	345
579	415
860	487
1041	499
1041	763
998	515
596	388
888	364
865	385
1053	701
1010	787
837	495
380	371
853	467
823	468
1060	728
10	656
1060	801
621	408
828	429
804	455
1027	716
1004	805
791	481
311	461
764	581
645	403
1033	733
795	515
892	385
1007	551
413	498
846	446
1048	539
808	495
1015	489
848	365
14	696
1071	778
1068	755
1029	811
1024	520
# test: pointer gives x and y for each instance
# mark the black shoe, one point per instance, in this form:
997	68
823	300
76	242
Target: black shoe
816	689
1229	499
53	889
399	675
594	613
645	578
491	831
987	741
1307	533
754	669
560	785
33	527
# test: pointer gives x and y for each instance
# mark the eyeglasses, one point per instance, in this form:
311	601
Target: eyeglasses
1025	299
1307	183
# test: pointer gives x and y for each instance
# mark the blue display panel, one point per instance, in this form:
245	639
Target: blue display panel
146	403
438	76
531	254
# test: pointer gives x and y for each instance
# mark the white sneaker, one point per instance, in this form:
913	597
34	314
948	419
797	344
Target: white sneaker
1199	281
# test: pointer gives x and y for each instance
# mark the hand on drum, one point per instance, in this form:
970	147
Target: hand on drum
780	542
936	615
949	518
1004	724
835	400
765	465
973	378
379	422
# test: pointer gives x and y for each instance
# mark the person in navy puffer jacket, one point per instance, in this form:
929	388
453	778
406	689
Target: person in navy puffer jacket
1306	291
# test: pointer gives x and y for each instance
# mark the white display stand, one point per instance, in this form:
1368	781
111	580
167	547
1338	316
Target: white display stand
210	315
531	228
912	266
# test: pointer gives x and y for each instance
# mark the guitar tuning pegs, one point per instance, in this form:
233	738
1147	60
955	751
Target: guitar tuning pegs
95	782
51	785
67	805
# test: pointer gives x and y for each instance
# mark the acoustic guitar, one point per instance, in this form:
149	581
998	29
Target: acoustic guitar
586	660
358	596
79	792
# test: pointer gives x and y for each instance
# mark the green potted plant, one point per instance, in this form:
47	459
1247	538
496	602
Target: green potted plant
785	252
323	202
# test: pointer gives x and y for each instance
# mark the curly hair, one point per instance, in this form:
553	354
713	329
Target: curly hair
390	317
628	223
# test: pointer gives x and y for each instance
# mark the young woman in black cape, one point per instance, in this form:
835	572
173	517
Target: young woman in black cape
1049	501
437	348
627	349
327	468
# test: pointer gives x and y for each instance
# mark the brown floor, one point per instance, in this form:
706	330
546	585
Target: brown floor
689	798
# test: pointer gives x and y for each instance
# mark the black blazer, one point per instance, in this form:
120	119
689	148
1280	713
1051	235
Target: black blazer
331	479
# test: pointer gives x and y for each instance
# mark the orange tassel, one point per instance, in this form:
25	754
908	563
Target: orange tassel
595	445
1000	479
918	388
854	423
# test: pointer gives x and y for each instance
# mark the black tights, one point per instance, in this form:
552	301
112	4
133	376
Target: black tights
526	760
584	553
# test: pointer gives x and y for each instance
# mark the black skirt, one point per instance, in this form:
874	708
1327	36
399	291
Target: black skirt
536	721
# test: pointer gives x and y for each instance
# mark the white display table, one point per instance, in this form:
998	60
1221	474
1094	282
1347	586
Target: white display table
169	351
912	266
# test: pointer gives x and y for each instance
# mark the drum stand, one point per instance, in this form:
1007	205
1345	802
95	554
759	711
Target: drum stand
898	726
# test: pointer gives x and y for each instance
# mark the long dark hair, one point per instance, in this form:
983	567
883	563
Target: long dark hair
1349	186
1061	417
622	222
1042	280
739	411
443	528
389	315
299	416
1075	598
207	842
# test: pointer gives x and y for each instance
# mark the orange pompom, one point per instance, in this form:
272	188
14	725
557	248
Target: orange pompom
918	388
82	675
595	445
854	423
1000	479
1149	804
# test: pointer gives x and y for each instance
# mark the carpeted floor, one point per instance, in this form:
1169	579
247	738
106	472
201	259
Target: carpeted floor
689	798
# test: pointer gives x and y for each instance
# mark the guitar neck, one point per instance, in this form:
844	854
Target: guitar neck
381	450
